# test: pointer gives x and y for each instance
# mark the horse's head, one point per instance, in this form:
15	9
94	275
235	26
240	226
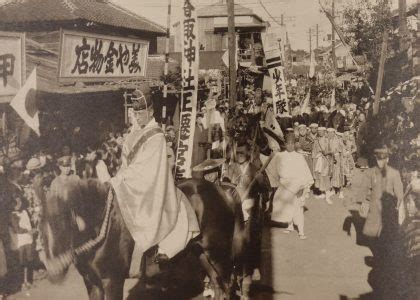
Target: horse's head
65	222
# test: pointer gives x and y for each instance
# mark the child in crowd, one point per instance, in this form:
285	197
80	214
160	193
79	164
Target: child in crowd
21	239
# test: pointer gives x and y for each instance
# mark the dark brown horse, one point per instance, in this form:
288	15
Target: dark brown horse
83	226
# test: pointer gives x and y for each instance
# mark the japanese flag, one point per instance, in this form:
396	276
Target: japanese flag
24	103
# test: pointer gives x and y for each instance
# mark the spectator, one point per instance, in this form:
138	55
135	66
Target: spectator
21	239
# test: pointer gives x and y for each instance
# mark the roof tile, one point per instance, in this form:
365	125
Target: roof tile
98	11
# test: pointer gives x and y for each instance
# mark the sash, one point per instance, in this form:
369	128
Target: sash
148	134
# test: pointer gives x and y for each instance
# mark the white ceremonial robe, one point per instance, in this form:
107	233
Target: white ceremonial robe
147	195
294	176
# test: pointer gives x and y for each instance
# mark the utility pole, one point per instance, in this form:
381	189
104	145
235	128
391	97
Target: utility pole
402	30
310	40
334	59
317	36
380	73
232	52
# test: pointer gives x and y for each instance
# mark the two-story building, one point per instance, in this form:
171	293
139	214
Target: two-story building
213	34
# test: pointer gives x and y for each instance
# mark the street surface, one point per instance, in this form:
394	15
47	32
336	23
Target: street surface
328	265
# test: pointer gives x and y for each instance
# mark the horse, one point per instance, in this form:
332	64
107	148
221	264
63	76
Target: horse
83	225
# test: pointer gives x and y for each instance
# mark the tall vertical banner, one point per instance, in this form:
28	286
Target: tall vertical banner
274	61
188	111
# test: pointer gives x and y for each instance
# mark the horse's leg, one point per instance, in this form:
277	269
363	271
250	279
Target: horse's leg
114	288
214	271
92	282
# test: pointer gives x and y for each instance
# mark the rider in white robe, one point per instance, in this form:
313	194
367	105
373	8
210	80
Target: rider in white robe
149	201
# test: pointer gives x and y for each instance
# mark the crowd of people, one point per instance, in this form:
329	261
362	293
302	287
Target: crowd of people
315	150
24	179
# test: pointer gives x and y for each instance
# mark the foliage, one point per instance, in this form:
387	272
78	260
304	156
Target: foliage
363	25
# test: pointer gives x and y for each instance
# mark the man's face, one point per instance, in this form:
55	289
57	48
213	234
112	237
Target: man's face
241	157
143	117
331	134
302	131
290	146
314	130
65	170
321	133
382	162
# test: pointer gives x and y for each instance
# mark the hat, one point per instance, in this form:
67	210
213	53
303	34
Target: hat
381	152
313	125
339	133
302	126
296	124
64	161
330	130
34	164
322	128
208	164
140	101
289	129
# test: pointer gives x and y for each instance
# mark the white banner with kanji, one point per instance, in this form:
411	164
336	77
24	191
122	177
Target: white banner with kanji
190	60
274	62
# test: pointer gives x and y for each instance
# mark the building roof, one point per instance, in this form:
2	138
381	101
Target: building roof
219	10
98	11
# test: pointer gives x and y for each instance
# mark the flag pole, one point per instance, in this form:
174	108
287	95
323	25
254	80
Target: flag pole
232	52
165	70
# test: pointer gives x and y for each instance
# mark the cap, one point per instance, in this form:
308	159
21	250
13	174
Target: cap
339	133
140	101
322	128
381	152
302	126
34	164
64	161
289	129
331	129
313	125
208	164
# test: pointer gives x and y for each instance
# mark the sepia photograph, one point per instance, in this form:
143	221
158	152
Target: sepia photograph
209	149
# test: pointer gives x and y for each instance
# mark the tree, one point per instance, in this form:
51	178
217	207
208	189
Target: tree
363	25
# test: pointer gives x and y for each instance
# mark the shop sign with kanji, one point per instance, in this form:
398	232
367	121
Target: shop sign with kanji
12	64
95	57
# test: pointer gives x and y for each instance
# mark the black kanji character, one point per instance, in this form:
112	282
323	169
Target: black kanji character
188	8
109	67
96	57
134	66
82	53
123	57
7	67
189	29
189	52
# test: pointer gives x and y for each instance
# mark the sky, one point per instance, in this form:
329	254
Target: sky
299	15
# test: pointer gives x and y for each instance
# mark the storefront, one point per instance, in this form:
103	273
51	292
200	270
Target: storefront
86	57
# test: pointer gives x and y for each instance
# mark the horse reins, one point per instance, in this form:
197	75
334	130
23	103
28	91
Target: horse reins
57	264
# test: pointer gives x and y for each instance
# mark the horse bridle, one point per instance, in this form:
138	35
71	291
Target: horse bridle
58	264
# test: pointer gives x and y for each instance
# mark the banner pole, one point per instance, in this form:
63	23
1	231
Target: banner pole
165	70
